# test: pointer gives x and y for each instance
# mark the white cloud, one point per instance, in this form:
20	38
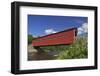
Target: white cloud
35	36
83	28
50	31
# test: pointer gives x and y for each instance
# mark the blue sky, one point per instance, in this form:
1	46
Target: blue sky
40	25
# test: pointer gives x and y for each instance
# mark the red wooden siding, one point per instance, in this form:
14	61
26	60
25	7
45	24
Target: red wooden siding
64	37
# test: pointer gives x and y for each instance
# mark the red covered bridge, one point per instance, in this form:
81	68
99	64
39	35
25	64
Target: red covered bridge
64	37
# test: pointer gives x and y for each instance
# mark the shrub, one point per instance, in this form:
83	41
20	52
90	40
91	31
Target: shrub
76	50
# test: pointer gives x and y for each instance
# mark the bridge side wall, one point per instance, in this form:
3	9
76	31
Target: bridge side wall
66	37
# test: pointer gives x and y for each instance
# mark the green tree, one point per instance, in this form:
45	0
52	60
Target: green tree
30	38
